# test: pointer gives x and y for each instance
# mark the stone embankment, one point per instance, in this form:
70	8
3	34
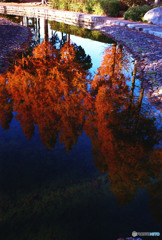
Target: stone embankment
35	10
13	38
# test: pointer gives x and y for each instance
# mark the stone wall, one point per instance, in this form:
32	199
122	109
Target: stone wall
73	18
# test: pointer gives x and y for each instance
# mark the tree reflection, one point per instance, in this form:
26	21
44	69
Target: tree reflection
122	135
48	89
6	106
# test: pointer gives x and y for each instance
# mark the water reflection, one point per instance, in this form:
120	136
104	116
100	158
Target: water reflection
123	136
52	89
49	89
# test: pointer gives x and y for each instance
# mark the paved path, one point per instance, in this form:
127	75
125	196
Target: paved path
152	29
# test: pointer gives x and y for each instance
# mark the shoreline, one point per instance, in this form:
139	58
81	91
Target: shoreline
147	50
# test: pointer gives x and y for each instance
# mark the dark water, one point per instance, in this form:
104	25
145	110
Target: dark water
80	154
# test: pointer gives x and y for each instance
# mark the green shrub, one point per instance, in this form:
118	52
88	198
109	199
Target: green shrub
98	7
89	5
136	13
111	7
98	10
123	6
131	3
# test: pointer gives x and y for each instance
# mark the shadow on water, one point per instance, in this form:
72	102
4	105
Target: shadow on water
89	164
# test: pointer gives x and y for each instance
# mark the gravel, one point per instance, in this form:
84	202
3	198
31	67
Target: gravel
13	38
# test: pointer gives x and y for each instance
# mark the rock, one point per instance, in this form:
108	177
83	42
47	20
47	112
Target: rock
154	16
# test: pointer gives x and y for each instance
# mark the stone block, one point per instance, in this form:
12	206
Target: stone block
123	24
154	16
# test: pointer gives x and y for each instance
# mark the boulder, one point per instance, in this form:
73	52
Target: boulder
154	16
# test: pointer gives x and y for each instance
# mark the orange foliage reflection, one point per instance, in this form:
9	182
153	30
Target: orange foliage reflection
122	137
48	90
6	106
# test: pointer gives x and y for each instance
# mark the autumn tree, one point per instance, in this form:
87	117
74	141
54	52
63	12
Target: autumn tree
48	90
6	106
120	147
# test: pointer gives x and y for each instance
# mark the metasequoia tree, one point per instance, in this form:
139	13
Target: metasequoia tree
48	90
6	106
120	148
157	2
44	2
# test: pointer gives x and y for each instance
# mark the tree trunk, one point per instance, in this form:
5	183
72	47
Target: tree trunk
68	38
114	58
44	2
132	92
157	2
46	30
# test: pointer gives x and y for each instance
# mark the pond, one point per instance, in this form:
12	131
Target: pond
80	153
